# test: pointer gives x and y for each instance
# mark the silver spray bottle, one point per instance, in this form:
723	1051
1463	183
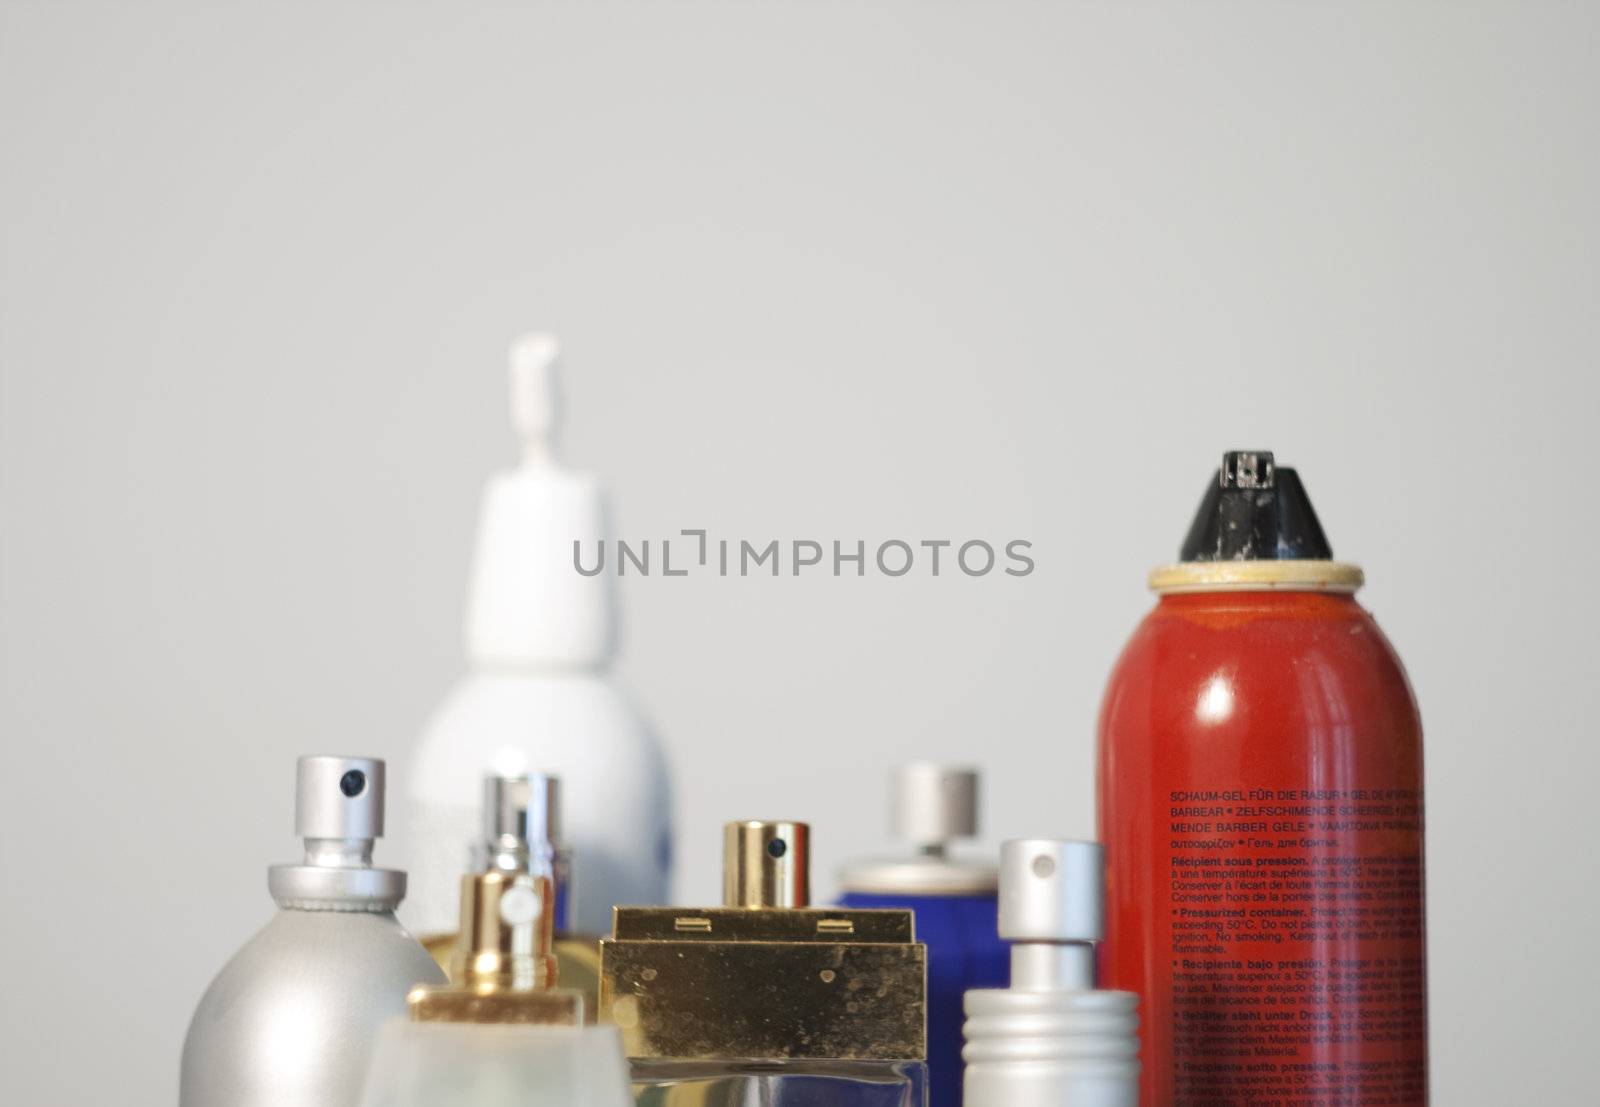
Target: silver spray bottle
291	1020
1052	1039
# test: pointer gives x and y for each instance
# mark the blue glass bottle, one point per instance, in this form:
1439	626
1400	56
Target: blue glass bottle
955	902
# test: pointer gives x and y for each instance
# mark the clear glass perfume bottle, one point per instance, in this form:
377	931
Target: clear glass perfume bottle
766	1001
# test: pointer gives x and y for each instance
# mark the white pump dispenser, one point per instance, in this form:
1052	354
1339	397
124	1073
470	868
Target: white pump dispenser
527	606
539	638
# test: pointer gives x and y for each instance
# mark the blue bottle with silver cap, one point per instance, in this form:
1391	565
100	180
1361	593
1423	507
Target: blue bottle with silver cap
954	899
293	1017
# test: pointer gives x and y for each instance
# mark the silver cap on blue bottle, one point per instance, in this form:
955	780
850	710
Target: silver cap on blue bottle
931	805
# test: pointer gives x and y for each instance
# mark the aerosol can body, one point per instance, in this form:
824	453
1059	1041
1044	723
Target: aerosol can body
1260	786
292	1018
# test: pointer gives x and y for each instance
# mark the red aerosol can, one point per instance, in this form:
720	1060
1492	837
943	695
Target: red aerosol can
1260	798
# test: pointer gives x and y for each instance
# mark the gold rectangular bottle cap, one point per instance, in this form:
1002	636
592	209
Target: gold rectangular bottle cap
765	977
779	983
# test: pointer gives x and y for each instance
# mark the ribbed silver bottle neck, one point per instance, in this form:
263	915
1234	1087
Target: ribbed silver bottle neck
325	888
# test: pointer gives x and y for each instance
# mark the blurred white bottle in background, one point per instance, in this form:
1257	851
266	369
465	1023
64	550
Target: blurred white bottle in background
538	696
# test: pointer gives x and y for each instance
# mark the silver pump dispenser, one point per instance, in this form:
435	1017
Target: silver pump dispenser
1051	1039
292	1018
1052	911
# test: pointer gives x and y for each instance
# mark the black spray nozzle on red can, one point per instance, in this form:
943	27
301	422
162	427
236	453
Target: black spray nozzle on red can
1253	510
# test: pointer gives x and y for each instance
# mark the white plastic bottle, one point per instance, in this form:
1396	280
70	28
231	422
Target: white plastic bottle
538	696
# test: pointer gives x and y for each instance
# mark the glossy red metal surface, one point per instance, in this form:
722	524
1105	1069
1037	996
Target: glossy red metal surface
1260	798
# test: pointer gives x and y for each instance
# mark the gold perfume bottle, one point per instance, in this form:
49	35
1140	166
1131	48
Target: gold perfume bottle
521	833
503	970
766	999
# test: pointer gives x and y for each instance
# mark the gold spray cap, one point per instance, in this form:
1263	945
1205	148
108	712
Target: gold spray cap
503	970
766	864
765	976
506	932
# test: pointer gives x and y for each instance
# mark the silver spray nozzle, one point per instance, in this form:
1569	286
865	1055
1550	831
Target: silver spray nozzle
1052	910
521	822
338	810
934	804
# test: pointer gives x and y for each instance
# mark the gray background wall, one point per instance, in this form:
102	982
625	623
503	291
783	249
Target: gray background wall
827	271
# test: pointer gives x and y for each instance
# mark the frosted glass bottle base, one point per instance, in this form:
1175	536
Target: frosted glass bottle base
438	1064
